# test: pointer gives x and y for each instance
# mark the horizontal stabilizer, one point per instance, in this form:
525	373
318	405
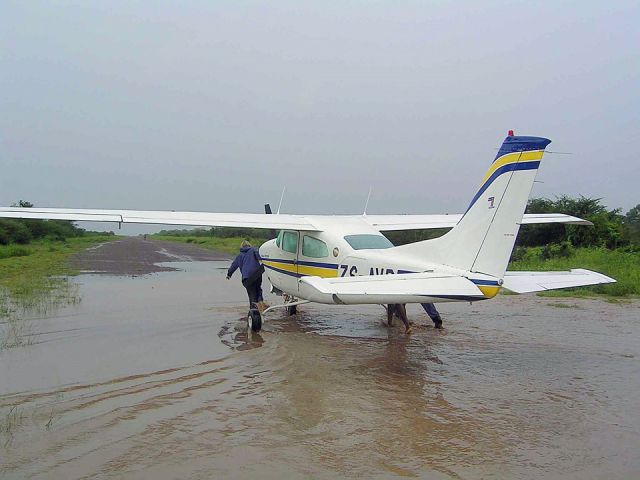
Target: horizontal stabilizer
526	282
538	218
400	288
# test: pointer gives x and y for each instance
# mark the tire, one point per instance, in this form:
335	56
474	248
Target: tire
292	310
254	320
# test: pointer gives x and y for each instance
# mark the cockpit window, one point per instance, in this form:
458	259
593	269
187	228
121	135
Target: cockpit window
290	242
279	238
314	248
368	241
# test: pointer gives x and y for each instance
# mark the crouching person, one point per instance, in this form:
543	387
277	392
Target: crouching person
251	269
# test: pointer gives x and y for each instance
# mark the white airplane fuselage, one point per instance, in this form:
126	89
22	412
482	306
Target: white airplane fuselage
330	253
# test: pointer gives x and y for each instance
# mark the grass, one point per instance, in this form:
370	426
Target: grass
621	265
10	420
25	269
223	244
561	305
33	278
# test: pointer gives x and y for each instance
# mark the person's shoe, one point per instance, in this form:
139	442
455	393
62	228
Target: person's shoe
437	322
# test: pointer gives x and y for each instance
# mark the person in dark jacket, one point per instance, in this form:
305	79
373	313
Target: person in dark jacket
430	308
251	269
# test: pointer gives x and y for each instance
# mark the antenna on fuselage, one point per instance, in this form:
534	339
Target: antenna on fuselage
281	198
366	204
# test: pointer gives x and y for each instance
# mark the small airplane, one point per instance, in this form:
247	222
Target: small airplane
346	260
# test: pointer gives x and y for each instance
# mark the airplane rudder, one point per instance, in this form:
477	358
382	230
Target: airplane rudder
516	153
521	143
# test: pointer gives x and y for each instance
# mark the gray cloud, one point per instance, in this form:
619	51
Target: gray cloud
216	106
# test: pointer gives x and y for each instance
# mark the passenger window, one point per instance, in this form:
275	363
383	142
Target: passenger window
368	241
279	238
314	248
290	242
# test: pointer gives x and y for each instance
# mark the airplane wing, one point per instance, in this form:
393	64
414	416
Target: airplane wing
257	220
526	282
425	222
400	288
200	219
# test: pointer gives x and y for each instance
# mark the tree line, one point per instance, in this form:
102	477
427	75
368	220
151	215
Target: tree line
611	228
222	232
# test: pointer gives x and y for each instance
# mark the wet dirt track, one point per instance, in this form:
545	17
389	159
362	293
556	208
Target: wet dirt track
154	376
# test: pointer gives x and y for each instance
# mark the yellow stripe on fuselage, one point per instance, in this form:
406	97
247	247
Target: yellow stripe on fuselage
512	158
324	272
317	271
287	267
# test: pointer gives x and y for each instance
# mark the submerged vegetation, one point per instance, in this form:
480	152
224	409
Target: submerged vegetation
33	275
33	279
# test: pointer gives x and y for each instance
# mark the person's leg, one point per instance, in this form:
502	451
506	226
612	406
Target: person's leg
252	293
249	294
259	289
402	313
431	310
390	309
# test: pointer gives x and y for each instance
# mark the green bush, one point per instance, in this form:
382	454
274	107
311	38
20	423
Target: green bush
608	229
557	250
14	231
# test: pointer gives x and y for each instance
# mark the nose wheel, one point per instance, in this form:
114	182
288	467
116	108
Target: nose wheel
254	320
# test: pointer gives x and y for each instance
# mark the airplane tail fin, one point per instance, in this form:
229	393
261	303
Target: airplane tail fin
484	237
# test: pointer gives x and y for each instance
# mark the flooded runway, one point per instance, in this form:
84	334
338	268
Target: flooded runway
154	376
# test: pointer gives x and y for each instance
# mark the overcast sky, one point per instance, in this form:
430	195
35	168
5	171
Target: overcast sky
216	106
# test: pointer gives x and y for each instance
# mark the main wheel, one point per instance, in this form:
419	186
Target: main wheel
292	310
254	320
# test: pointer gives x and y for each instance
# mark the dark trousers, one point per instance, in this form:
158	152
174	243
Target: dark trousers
254	291
430	308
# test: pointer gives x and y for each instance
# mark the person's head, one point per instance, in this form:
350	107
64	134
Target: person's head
245	243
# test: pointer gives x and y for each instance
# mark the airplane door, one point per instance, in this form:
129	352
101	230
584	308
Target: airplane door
288	264
314	260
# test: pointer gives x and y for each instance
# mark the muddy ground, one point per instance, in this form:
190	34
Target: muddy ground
154	376
138	256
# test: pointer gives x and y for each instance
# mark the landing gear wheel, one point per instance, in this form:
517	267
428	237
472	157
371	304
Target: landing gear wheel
254	320
292	310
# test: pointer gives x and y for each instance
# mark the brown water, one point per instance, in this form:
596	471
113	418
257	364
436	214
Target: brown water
155	377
